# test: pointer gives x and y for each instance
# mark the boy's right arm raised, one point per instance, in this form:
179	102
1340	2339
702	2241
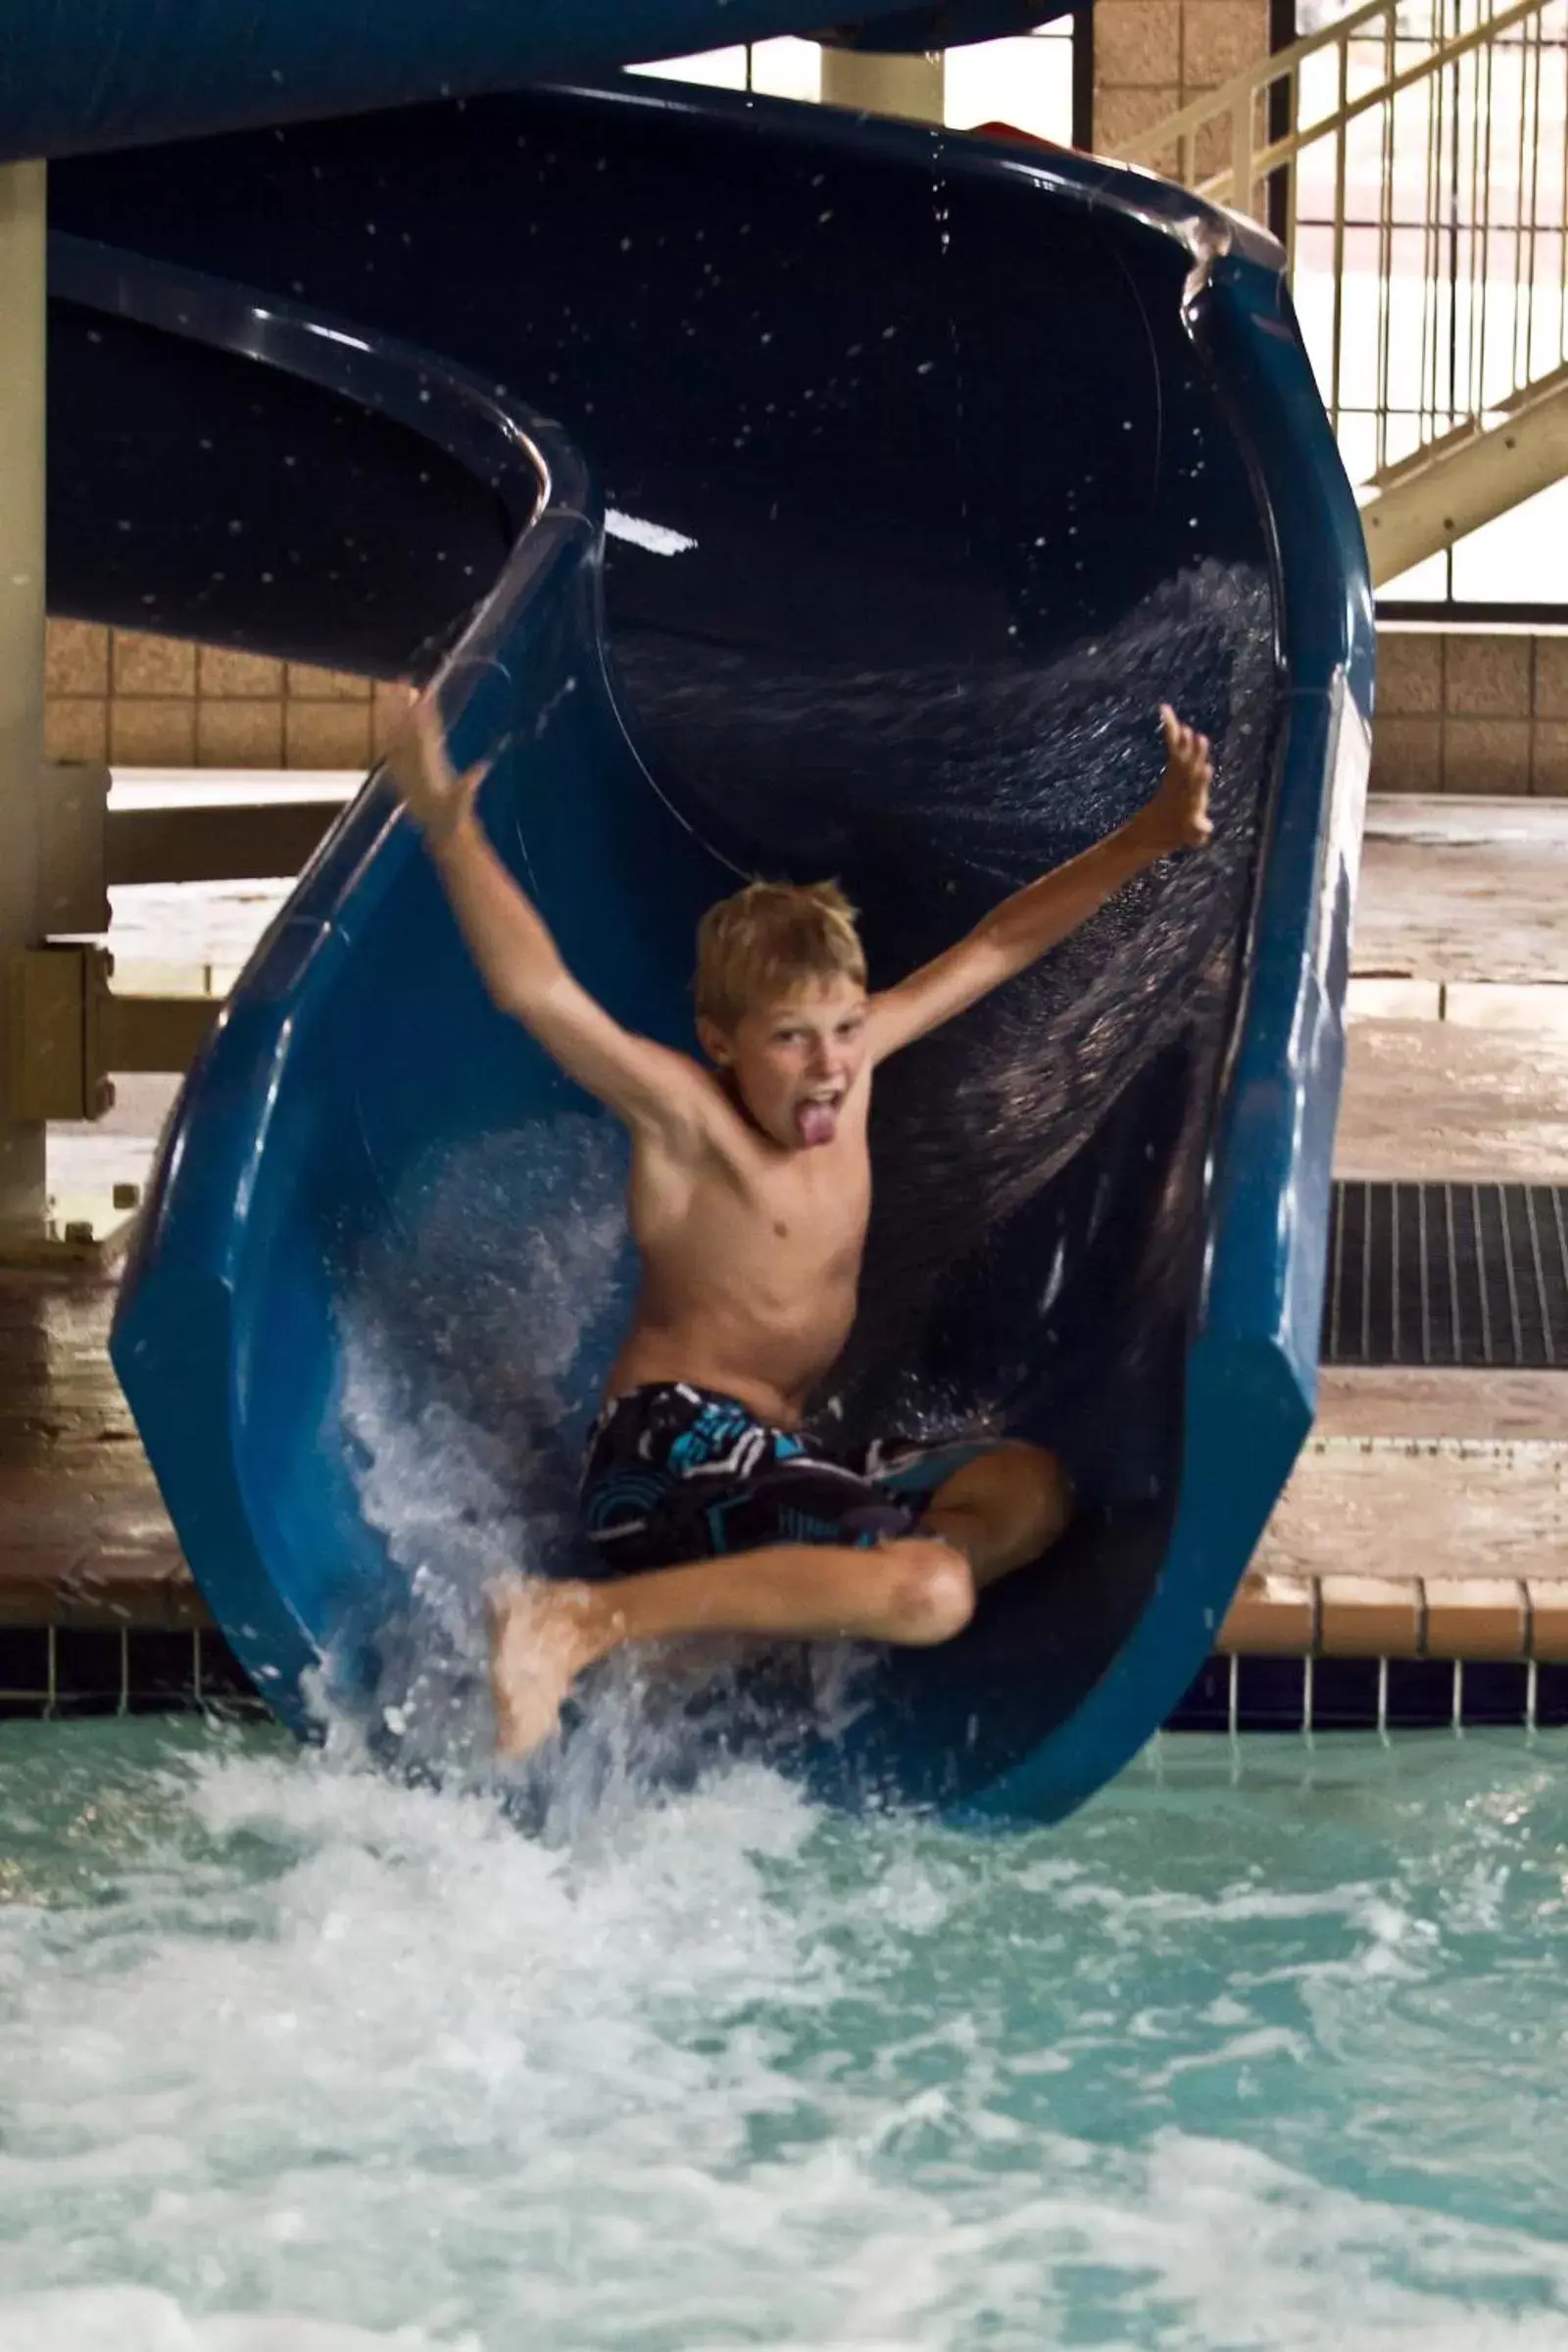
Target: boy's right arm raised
646	1083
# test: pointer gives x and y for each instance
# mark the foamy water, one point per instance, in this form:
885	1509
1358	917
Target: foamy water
293	2057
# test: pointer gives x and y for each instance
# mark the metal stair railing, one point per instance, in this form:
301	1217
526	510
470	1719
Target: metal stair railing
1414	155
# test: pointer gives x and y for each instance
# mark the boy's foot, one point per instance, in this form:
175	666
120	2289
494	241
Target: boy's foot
541	1637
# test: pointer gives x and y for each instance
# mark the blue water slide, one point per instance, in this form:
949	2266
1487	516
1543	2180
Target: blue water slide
77	76
769	490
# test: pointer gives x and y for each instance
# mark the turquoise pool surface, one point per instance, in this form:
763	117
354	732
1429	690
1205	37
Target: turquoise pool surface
1265	2048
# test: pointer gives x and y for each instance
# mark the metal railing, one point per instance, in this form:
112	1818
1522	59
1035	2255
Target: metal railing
1413	155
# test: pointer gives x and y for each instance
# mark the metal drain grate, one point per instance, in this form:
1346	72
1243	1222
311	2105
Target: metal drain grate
1469	1274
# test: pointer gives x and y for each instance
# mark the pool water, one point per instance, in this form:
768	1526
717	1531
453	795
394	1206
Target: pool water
1265	2048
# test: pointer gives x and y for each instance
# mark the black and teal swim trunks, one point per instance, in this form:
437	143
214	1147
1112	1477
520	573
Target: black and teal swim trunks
677	1473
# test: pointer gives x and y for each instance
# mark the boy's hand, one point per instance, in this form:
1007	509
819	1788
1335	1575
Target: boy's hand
1178	816
437	796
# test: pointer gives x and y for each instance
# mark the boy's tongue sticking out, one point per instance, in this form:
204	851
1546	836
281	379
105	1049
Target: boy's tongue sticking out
817	1122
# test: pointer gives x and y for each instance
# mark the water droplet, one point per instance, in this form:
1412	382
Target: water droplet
925	367
235	526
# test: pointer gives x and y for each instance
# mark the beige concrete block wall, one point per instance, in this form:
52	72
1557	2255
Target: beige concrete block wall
158	702
1458	712
1154	57
1471	710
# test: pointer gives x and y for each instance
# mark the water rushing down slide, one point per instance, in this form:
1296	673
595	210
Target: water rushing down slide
933	469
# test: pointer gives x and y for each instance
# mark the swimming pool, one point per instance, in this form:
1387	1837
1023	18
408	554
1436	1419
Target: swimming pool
1263	2048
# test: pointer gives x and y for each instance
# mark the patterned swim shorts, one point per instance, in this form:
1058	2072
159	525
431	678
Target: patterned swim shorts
677	1473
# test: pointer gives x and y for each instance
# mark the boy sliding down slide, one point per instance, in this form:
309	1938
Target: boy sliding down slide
749	1196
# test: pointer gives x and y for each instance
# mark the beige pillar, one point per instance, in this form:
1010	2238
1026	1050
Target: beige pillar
873	84
21	611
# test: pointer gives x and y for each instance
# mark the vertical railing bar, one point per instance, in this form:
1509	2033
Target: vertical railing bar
1478	203
1525	367
1560	49
1385	250
1366	1274
1516	226
1481	1275
1509	1275
1434	241
1456	104
1538	1264
1393	1272
1426	1272
1453	1272
1338	343
1293	170
1336	1277
1562	220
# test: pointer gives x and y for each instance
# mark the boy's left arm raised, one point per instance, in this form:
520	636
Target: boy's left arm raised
1033	919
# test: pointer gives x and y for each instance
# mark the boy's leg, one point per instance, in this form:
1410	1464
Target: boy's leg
915	1590
1002	1509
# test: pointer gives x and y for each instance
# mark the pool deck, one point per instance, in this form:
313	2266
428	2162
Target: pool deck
1429	1513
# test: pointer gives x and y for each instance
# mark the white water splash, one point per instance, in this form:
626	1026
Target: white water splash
334	2065
474	1345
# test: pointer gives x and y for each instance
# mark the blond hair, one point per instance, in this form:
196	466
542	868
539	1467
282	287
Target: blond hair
768	938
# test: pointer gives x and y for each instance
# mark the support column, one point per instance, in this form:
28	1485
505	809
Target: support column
876	85
22	615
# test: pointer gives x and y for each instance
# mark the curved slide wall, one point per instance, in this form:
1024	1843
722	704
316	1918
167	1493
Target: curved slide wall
932	468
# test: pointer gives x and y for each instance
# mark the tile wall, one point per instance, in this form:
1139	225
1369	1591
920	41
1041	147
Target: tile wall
1471	712
1154	57
1458	712
158	702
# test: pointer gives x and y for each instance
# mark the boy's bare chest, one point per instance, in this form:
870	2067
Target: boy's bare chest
813	1207
799	1221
